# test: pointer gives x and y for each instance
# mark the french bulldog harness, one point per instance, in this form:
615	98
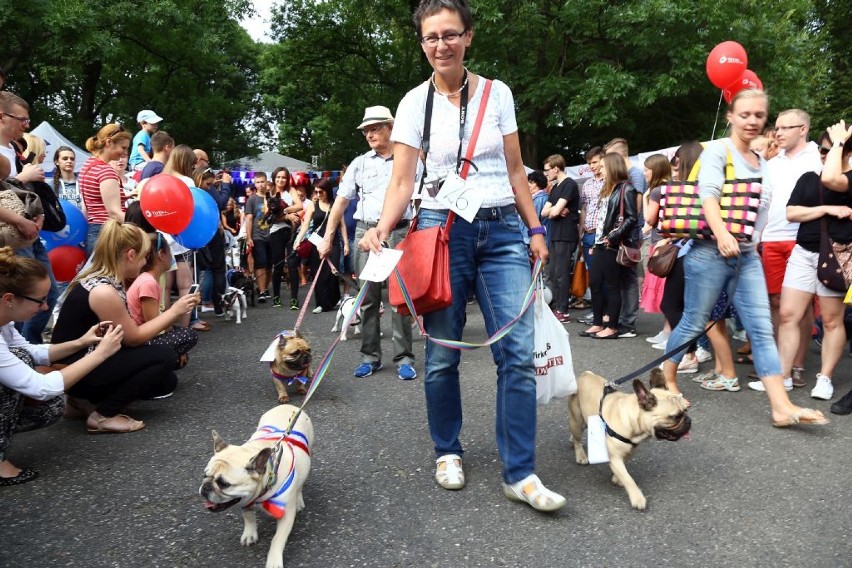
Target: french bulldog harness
609	389
274	498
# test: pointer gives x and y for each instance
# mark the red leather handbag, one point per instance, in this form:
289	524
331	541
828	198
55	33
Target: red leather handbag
425	263
426	270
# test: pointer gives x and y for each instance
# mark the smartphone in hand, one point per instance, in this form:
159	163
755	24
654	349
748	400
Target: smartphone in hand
194	288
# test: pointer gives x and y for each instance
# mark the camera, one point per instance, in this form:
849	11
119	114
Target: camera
433	186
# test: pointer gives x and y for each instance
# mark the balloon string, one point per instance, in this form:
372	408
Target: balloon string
716	121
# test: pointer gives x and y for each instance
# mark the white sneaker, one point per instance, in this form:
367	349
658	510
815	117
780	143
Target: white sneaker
758	385
703	355
823	390
661	337
688	366
317	310
660	346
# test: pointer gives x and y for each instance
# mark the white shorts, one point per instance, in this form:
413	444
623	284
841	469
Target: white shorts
802	274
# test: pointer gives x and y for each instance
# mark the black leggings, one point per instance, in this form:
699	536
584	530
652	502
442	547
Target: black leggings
605	269
279	245
133	373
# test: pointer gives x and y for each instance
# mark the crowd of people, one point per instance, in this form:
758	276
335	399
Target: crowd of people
118	336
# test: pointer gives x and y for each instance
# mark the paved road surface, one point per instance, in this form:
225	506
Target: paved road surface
739	493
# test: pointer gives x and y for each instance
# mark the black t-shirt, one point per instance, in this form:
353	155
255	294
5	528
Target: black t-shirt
840	230
806	193
565	228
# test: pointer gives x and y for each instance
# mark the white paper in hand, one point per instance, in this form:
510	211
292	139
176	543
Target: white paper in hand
380	266
597	440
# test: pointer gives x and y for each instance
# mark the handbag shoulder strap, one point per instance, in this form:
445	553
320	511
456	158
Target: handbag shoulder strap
427	127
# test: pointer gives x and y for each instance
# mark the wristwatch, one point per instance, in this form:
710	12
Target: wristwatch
537	231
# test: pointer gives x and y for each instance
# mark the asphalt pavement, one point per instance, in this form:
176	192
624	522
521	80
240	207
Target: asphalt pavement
738	493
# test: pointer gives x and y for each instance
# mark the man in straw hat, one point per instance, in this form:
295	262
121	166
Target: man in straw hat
367	178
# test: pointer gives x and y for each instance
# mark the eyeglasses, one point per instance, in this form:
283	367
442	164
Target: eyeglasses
118	128
40	302
783	128
450	38
368	129
25	120
824	151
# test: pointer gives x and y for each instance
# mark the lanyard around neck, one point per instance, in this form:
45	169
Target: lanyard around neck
462	119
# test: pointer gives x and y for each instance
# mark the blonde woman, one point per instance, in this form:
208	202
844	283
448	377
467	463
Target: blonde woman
137	371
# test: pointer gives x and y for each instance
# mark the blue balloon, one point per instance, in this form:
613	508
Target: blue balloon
204	222
74	231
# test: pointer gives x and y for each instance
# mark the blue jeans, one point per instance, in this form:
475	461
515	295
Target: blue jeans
588	244
33	327
707	273
489	258
92	234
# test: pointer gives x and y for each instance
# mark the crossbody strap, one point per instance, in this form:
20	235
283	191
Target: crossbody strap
427	129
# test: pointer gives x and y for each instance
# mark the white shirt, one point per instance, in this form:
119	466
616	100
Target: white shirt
368	175
18	376
9	152
783	173
491	178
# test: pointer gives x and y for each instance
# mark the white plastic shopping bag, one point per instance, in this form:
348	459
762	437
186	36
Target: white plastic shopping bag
554	368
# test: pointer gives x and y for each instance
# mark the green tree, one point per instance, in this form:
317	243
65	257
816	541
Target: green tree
81	63
582	72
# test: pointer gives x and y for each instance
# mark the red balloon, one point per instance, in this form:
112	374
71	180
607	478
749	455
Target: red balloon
66	261
167	203
726	63
748	80
300	179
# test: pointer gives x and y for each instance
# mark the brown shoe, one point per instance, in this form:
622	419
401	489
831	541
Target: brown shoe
798	377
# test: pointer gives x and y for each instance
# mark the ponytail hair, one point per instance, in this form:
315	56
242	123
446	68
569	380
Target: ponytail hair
112	131
19	274
115	239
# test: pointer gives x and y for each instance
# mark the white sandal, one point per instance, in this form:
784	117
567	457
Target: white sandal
452	476
539	498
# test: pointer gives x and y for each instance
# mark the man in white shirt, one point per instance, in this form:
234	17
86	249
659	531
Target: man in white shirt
367	179
795	157
14	121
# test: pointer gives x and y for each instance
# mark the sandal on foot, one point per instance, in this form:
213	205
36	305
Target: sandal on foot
805	417
118	424
452	475
532	491
721	383
744	358
25	476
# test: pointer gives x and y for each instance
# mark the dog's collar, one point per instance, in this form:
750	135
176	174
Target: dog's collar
608	389
290	380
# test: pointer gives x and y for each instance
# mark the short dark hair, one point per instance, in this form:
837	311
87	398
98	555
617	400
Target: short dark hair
594	152
161	139
537	177
428	8
556	161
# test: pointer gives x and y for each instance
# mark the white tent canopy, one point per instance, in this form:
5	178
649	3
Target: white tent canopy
53	140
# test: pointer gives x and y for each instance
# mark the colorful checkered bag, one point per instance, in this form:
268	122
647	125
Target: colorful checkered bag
681	215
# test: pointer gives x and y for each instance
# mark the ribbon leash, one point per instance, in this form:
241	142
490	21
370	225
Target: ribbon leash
307	301
464	345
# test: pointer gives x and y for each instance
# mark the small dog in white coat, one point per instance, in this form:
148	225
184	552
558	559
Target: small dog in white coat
346	306
234	304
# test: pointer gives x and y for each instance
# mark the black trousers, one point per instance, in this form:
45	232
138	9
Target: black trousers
133	373
605	269
279	245
560	268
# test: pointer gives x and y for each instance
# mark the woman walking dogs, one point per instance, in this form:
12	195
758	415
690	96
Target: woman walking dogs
487	255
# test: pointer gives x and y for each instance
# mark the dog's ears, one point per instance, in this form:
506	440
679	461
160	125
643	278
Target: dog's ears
258	462
658	379
218	443
647	400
